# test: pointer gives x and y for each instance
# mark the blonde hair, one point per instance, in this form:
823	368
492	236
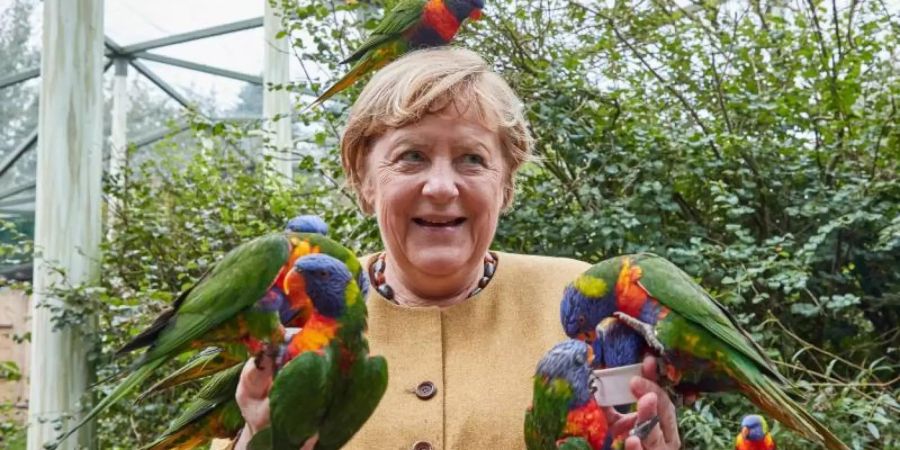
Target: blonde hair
425	82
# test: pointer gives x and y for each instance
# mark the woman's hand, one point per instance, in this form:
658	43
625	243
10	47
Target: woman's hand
252	397
652	402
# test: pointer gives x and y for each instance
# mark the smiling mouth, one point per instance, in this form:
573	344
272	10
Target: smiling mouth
440	223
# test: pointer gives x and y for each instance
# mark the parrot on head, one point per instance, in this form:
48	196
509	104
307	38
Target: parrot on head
331	385
564	413
700	345
410	25
228	305
754	434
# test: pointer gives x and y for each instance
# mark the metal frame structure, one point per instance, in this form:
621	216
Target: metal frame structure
134	55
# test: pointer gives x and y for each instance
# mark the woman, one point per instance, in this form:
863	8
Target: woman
431	149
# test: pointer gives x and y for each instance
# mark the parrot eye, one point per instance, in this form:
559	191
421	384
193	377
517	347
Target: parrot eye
581	321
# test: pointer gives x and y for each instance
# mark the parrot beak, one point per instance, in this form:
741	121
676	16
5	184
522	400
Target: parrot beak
293	277
744	432
590	360
475	15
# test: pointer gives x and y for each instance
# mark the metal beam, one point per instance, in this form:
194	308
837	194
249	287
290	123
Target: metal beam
20	77
140	67
17	201
194	35
200	67
160	134
17	153
17	190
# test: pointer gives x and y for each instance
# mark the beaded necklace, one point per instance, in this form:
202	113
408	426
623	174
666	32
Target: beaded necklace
490	266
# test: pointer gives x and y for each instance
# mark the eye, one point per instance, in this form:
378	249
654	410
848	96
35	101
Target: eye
472	158
412	156
581	321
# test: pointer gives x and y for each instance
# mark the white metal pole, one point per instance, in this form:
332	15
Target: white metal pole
67	208
277	103
119	139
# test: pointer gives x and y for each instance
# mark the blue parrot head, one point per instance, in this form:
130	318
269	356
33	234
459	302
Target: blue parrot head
584	304
326	280
465	8
307	224
754	427
569	360
621	345
272	301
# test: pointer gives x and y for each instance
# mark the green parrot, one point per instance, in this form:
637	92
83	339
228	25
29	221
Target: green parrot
411	24
702	348
330	385
231	303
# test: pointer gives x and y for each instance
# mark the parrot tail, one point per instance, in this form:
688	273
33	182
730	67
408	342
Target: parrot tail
209	362
360	69
127	385
767	394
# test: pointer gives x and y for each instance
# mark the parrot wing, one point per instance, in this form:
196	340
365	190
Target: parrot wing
300	395
676	290
546	419
210	361
350	410
395	22
240	279
215	398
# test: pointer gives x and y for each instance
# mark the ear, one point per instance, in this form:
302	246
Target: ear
365	195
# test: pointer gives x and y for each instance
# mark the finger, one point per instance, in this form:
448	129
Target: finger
648	368
662	406
633	443
256	382
624	424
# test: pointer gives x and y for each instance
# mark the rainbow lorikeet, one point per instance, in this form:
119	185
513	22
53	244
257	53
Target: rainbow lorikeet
754	434
227	305
331	385
564	413
410	25
214	359
701	346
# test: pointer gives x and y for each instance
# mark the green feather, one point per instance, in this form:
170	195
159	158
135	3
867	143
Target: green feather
355	404
300	394
546	419
213	411
399	19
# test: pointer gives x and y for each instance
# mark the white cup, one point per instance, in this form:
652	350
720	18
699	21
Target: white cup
613	385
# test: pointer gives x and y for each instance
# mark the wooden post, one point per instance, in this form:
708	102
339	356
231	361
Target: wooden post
276	71
67	209
118	140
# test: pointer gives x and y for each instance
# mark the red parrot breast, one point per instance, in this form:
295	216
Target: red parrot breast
438	17
589	422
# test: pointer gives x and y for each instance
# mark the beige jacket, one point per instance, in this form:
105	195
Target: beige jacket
479	355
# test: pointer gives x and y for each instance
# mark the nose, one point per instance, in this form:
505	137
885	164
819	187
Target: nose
441	184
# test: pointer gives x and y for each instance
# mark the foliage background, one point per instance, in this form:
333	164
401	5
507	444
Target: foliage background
754	143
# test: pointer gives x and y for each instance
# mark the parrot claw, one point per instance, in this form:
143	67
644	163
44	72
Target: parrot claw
642	430
644	329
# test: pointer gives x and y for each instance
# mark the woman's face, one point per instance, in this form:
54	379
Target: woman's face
437	189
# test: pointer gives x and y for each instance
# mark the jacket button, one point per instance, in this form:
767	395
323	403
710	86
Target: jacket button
425	391
423	445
